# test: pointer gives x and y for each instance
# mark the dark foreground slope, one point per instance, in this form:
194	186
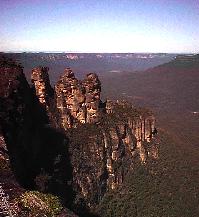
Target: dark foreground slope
27	147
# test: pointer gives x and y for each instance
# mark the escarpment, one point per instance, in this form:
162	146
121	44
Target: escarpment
33	145
104	152
15	107
103	139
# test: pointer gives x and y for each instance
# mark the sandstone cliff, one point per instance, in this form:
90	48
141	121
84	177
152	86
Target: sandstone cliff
104	152
84	145
41	84
112	137
28	145
70	100
15	101
77	102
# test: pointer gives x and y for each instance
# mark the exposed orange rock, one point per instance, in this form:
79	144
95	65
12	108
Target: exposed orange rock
41	83
105	139
77	102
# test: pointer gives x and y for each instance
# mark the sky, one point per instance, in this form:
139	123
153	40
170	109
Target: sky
167	26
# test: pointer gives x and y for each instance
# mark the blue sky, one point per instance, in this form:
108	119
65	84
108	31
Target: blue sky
100	26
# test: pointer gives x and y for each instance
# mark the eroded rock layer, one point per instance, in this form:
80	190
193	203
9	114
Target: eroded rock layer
92	86
106	146
77	102
41	83
105	139
101	161
70	99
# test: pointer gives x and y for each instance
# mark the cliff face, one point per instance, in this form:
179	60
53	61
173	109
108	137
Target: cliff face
13	112
92	87
70	100
104	149
25	115
15	101
41	84
77	102
103	153
35	149
105	139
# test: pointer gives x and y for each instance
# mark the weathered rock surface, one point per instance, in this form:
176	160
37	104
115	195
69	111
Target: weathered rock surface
70	100
92	86
41	83
77	102
110	140
104	139
101	161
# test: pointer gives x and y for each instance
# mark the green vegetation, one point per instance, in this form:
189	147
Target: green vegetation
121	113
167	187
34	203
117	205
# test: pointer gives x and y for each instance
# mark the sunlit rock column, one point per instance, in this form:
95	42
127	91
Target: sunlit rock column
93	88
149	128
138	131
70	100
41	83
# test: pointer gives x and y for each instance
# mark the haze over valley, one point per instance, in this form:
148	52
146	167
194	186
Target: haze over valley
83	63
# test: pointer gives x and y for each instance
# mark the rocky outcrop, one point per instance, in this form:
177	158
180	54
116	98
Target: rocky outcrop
42	87
70	100
105	139
92	86
14	97
77	102
110	150
104	142
44	95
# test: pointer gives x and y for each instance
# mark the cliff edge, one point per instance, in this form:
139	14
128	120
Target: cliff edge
85	146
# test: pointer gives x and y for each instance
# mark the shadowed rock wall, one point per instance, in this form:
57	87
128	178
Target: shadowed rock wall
104	139
104	142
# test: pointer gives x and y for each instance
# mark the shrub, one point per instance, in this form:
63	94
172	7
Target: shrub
40	204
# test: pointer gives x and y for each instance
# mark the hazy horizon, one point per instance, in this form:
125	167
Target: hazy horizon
145	26
81	52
